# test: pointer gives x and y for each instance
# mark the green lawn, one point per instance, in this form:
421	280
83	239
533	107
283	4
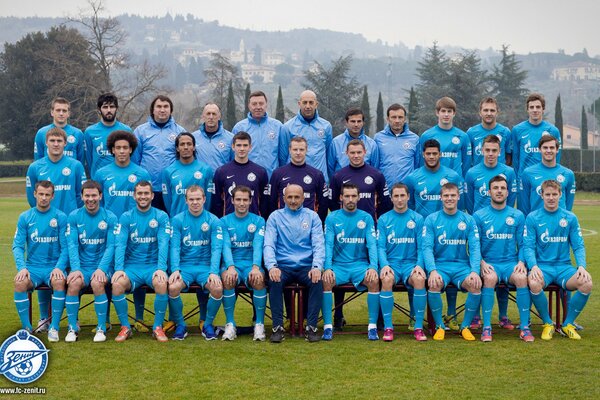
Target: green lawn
348	367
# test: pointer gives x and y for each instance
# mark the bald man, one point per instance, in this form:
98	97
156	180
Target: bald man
213	142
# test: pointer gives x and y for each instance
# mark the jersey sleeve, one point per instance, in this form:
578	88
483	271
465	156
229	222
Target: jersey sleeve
322	196
427	242
19	240
175	245
419	240
216	246
524	194
382	244
317	242
210	185
331	160
469	194
136	157
520	239
218	201
384	203
121	236
109	251
371	240
258	242
529	242
81	178
576	240
274	194
270	243
265	191
166	189
30	181
89	149
374	157
474	247
467	154
329	242
284	141
164	235
570	189
39	146
411	192
72	234
334	201
80	148
512	187
63	258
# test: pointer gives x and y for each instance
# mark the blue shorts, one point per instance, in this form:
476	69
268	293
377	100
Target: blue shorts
353	274
40	276
504	271
87	276
559	274
194	275
139	277
402	274
243	271
454	275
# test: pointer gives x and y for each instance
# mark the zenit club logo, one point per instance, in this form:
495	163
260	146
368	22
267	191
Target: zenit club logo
24	358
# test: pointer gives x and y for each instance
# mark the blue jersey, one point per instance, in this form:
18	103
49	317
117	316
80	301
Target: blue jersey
75	147
91	240
476	135
531	186
42	236
235	174
269	148
425	186
477	182
214	149
178	177
318	135
66	174
337	158
117	185
294	239
525	138
501	233
399	239
142	240
197	241
243	240
451	241
398	154
156	148
549	237
455	148
97	154
350	240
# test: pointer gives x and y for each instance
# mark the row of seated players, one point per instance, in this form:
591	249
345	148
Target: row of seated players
446	246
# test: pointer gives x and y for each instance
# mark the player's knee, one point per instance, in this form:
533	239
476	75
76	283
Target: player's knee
216	291
373	286
519	280
535	286
174	290
97	287
21	286
117	289
585	287
387	282
74	288
418	282
490	280
58	284
160	287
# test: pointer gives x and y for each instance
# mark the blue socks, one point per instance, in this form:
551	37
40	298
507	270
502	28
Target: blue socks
326	309
229	300
541	304
58	305
160	309
120	303
487	305
202	298
212	307
420	303
22	303
435	304
451	294
259	298
523	304
471	306
502	297
72	306
44	299
101	308
386	300
575	306
176	310
139	301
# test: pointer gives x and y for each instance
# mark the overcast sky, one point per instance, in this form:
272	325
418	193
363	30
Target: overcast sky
526	25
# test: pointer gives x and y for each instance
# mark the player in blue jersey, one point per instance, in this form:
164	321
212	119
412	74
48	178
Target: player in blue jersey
41	234
60	111
156	144
91	242
241	171
195	256
243	238
350	257
451	253
455	145
184	172
488	111
401	260
532	177
337	157
316	130
269	145
501	237
97	152
141	252
213	142
398	147
550	233
294	252
526	135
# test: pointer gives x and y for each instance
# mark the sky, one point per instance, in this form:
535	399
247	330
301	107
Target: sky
525	25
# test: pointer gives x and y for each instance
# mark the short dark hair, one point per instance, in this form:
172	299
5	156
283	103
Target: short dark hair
160	97
399	185
534	97
349	186
60	100
354	111
243	189
241	135
58	132
445	102
121	135
356	142
491	139
548	138
177	142
107	98
396	107
91	184
142	183
431	143
258	93
45	184
498	178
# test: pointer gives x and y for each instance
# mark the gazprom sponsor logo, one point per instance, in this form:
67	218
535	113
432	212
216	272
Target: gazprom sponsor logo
35	238
546	238
444	241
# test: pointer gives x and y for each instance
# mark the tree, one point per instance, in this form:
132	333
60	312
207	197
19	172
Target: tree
196	71
366	109
380	123
219	75
335	88
231	117
584	129
433	74
413	112
283	74
279	109
508	80
558	117
247	93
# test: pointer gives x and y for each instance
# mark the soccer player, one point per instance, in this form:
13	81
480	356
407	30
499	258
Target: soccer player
294	252
488	111
526	135
186	171
97	152
91	242
241	171
401	260
195	255
451	253
374	194
337	157
455	145
298	172
270	147
549	235
501	238
243	238
156	144
41	234
532	178
350	257
60	110
213	142
316	130
141	252
398	147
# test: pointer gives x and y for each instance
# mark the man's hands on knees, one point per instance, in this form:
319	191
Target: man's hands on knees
175	277
22	275
118	275
315	275
371	275
74	276
160	276
99	276
435	280
275	274
583	276
230	276
57	275
328	277
474	281
255	277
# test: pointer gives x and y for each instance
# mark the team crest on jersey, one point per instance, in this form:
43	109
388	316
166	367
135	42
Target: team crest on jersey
197	175
251	228
368	180
53	223
361	224
251	177
411	224
406	146
271	135
66	171
172	137
462	226
307	179
153	223
455	140
443	181
205	227
221	145
563	223
132	178
102	225
71	139
560	178
510	221
304	225
320	133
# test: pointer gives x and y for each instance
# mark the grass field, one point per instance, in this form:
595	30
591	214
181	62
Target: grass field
348	367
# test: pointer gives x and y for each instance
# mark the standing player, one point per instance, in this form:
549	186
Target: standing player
213	142
401	260
141	252
451	254
97	152
550	234
243	238
41	233
488	111
91	240
195	255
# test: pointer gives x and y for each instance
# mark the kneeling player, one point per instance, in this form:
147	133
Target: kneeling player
350	257
550	233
